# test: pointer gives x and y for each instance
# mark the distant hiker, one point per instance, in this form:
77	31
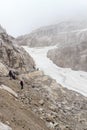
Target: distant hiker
10	74
22	84
34	67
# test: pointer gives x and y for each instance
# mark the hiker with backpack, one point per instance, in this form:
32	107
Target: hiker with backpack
22	84
12	74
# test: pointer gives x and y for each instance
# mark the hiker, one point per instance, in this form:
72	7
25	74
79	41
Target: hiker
22	84
10	74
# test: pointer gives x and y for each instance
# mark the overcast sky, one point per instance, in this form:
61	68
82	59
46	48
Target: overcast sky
19	17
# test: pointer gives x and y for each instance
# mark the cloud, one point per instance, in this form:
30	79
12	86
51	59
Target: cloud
22	16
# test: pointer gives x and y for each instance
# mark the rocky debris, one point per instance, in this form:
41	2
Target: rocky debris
15	113
60	108
41	102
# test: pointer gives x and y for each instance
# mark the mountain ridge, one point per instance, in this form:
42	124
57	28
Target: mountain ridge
70	38
63	33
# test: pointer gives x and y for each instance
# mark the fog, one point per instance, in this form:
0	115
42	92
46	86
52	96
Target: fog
20	17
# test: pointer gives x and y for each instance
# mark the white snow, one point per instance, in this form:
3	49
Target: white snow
74	80
8	90
4	127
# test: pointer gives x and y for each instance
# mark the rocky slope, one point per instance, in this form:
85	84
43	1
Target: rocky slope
42	104
13	112
57	106
12	56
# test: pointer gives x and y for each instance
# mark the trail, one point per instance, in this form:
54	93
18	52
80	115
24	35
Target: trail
74	80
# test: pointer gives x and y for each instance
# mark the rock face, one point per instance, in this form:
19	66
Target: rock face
70	56
13	56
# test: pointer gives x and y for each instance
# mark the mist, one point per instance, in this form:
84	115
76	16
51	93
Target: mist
20	17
